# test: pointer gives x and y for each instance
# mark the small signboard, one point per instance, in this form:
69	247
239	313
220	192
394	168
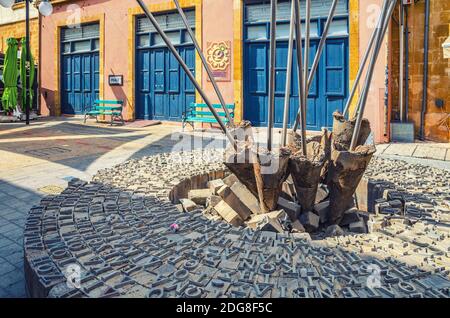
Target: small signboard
115	80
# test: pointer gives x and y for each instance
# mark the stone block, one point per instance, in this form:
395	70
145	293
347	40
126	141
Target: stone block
322	193
310	221
350	216
380	206
213	200
228	214
288	190
259	220
358	227
396	204
215	185
322	209
199	196
297	227
334	230
240	199
230	180
291	208
188	205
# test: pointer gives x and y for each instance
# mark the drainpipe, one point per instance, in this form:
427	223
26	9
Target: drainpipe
425	70
401	63
406	64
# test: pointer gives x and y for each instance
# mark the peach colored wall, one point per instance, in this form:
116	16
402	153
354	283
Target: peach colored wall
116	52
375	109
218	26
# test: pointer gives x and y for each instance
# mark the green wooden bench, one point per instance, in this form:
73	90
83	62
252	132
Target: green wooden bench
111	108
200	113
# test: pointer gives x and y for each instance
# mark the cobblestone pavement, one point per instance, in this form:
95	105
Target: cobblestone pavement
117	230
41	159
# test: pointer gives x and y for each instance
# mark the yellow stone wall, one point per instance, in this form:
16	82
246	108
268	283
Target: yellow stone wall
437	120
17	30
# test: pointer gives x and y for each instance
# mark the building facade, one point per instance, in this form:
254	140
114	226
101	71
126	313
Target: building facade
90	46
12	25
435	116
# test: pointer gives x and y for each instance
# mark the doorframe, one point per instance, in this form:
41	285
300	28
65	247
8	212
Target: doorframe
100	19
133	15
353	51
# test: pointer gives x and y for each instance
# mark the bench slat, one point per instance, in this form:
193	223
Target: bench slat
195	105
112	102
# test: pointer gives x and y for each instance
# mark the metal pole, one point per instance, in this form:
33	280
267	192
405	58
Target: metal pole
363	100
287	94
271	110
364	62
401	62
204	62
307	46
26	80
426	45
186	70
319	50
301	116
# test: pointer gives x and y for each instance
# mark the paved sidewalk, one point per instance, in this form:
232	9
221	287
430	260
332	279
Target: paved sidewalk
432	154
41	159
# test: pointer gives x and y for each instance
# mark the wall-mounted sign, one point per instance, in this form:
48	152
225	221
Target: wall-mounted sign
115	80
218	56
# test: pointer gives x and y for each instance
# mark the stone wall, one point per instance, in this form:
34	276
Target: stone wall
17	30
436	127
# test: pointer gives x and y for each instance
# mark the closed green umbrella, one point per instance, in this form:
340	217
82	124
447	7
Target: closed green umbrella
9	98
23	74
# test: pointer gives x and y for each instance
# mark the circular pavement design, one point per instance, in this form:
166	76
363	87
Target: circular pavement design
111	238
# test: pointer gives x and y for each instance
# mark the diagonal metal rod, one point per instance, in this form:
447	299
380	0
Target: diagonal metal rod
301	116
363	63
383	30
187	71
319	52
205	63
287	94
273	46
306	53
385	16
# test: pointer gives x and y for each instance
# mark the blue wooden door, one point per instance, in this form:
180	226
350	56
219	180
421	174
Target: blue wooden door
329	89
80	68
163	90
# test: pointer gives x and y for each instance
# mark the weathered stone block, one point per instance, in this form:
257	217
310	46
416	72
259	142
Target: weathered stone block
350	216
228	214
322	193
215	185
213	200
199	196
297	227
240	199
322	210
291	208
358	227
310	221
188	205
334	230
230	180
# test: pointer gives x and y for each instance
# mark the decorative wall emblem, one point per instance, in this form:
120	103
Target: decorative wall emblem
218	56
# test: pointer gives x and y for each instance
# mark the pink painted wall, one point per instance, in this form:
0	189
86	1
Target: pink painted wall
217	25
375	110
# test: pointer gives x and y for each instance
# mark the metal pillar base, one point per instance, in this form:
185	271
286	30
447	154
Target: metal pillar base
343	130
346	171
271	170
307	172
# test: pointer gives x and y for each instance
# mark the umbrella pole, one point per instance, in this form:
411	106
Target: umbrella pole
288	77
187	71
26	80
204	62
